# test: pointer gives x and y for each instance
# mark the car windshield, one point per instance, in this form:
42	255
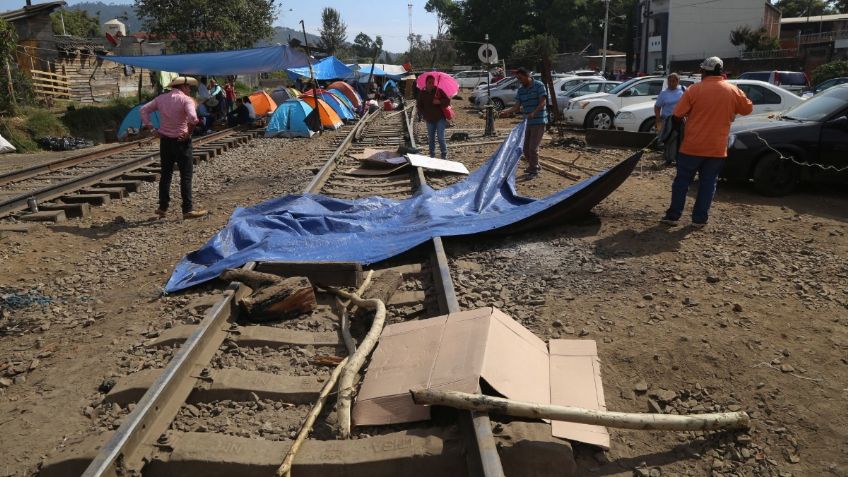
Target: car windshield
820	106
793	79
759	76
625	85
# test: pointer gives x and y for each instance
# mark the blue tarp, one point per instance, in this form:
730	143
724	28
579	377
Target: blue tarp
289	120
133	120
326	69
317	228
253	60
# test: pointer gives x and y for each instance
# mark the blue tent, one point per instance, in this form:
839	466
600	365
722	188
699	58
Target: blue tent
334	102
343	98
289	120
133	120
326	69
252	60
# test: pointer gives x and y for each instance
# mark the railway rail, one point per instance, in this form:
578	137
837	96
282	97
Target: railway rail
161	435
67	188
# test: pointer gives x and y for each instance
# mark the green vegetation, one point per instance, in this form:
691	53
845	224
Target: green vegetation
834	69
90	121
42	123
12	129
208	25
333	31
77	23
754	40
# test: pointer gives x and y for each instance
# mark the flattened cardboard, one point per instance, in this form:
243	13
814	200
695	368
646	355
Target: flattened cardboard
576	381
455	352
451	352
417	160
380	157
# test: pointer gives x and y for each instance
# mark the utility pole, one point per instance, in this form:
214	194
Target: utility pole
409	9
606	34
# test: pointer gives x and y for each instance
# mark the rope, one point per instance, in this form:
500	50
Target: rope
795	161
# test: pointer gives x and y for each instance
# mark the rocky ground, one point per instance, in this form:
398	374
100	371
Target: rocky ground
749	314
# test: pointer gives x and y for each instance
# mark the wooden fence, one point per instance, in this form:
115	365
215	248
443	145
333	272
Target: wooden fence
50	85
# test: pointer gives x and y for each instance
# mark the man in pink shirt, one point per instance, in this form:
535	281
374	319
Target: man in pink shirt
177	119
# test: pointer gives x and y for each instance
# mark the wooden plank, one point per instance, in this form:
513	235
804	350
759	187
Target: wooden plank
325	273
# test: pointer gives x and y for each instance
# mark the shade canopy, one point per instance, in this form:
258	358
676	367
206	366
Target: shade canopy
236	62
325	69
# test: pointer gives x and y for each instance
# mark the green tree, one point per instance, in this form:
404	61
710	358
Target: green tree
77	23
333	31
834	69
534	49
207	25
802	8
753	40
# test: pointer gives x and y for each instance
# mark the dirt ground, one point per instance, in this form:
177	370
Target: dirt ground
748	314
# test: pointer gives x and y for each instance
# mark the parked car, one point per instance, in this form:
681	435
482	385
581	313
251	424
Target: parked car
598	110
813	132
582	89
766	97
825	85
795	81
471	79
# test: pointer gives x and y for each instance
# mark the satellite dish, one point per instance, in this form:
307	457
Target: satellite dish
487	54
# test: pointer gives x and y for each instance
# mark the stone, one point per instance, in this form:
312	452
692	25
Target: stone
5	382
713	279
627	394
654	407
19	379
641	386
737	307
787	368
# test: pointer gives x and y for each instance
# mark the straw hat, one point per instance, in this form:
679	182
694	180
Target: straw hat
181	80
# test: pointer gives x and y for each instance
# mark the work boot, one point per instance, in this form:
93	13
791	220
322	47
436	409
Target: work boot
194	214
161	213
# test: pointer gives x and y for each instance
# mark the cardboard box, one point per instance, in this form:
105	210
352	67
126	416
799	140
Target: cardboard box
456	351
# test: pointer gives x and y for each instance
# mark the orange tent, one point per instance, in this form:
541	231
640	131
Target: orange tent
262	103
329	118
348	91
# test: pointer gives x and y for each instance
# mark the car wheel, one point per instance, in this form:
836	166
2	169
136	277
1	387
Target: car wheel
499	104
648	126
774	176
600	118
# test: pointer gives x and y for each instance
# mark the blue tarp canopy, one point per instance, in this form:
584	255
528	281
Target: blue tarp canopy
253	60
316	228
326	69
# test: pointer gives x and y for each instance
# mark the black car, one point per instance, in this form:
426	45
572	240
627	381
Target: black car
807	142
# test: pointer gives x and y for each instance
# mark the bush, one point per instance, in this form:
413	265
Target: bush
834	69
90	121
13	130
41	123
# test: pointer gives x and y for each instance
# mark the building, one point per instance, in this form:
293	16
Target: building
36	41
687	30
817	39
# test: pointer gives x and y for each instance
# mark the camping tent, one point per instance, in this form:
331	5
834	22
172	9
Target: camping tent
329	118
325	69
289	120
133	120
281	95
262	103
334	102
348	92
340	96
6	146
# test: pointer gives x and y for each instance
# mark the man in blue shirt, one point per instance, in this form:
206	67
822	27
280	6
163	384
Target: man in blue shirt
663	109
531	99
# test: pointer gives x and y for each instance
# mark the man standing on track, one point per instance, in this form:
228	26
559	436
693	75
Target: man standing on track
531	100
709	107
177	119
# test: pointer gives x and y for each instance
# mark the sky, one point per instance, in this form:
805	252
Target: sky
387	18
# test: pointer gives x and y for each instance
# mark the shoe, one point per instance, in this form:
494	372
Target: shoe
161	213
668	221
699	225
195	214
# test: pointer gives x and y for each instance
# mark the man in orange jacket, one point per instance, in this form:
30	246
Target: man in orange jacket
709	108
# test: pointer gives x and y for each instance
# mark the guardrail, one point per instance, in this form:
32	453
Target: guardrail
824	37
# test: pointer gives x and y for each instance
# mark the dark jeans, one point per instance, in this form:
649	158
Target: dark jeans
532	140
176	152
434	130
708	169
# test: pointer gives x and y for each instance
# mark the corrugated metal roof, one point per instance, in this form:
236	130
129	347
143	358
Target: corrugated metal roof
815	19
31	10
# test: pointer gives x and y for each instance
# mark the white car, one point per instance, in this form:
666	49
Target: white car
582	89
766	98
471	79
598	110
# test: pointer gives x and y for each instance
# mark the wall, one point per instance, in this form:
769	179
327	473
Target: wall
35	35
702	29
93	81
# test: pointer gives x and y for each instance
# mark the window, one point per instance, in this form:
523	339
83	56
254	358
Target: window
609	87
760	95
648	88
756	75
793	79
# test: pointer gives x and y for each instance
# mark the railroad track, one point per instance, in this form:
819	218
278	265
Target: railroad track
221	370
67	188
